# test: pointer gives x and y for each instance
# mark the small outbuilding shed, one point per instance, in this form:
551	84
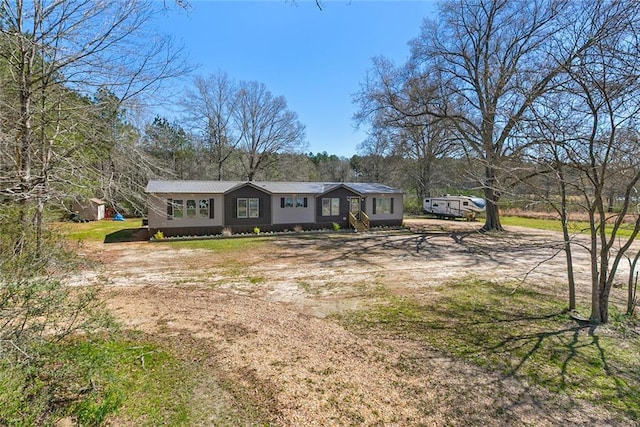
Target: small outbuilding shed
92	209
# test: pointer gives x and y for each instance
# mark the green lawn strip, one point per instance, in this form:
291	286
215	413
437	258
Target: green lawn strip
518	332
555	225
228	245
97	231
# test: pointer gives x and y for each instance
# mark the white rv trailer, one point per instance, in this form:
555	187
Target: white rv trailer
454	206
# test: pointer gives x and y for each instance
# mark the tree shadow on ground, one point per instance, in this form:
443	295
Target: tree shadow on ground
127	235
577	346
431	245
565	356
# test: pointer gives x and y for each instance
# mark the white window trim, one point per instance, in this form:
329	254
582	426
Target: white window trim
246	207
331	207
250	211
178	205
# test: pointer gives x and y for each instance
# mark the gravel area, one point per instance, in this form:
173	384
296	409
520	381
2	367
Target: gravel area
263	322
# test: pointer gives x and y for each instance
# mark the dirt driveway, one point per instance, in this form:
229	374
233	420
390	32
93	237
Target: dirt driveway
263	322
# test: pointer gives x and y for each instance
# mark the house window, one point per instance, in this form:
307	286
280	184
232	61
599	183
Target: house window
203	208
178	209
330	206
248	208
242	208
191	208
384	205
254	208
291	202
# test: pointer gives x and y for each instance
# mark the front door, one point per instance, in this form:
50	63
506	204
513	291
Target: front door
453	207
354	207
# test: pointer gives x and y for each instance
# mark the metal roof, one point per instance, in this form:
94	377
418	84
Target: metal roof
213	187
209	187
370	187
291	187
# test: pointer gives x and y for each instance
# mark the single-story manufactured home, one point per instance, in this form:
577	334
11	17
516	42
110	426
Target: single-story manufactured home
179	208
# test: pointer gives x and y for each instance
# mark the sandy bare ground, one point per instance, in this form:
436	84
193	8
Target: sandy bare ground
262	321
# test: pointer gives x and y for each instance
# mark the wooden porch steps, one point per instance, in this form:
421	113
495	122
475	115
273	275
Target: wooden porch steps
359	226
360	222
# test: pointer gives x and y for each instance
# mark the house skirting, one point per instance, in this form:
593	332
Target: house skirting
238	229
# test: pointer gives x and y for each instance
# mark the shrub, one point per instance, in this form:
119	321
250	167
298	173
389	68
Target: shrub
336	226
256	230
40	315
159	235
413	205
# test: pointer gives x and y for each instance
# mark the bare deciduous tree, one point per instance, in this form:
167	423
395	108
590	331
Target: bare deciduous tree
210	108
52	51
373	164
588	137
395	104
267	127
495	58
53	56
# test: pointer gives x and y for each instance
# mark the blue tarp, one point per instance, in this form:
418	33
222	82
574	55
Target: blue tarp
118	217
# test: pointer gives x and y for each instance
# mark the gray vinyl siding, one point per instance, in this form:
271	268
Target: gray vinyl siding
160	219
381	218
342	218
243	224
293	215
272	216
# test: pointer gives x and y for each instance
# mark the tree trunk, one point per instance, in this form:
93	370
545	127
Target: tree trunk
633	287
570	275
24	141
564	217
596	315
492	222
604	306
610	203
492	196
632	284
39	214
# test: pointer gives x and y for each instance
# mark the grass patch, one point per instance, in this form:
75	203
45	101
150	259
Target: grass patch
522	333
155	384
219	245
96	380
151	386
97	231
625	230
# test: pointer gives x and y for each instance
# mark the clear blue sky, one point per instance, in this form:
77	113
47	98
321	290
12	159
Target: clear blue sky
315	58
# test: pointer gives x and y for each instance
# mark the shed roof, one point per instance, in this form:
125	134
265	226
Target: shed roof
214	187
